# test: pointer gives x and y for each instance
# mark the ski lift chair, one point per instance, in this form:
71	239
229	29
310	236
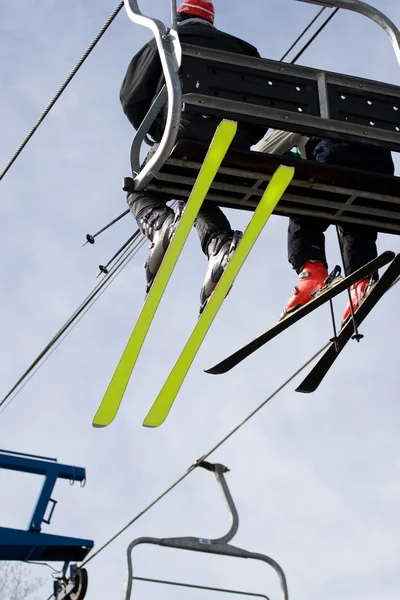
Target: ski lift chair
277	95
218	546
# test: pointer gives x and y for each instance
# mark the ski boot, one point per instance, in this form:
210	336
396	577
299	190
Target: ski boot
220	250
312	278
358	292
158	224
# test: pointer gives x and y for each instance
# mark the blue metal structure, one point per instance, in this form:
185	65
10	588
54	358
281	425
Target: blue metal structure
32	544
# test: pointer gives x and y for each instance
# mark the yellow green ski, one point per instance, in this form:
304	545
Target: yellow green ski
164	401
112	399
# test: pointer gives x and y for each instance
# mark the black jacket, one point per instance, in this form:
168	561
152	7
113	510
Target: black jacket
144	77
350	154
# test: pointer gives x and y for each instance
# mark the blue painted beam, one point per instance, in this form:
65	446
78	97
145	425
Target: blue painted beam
16	544
29	545
28	464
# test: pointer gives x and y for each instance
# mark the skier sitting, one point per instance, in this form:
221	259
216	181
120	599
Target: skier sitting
306	240
142	82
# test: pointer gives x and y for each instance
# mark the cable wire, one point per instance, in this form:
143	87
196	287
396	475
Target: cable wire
70	324
62	88
124	258
310	41
311	23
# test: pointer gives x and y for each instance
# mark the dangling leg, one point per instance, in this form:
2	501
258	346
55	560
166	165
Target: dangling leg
217	239
359	247
157	222
306	252
218	243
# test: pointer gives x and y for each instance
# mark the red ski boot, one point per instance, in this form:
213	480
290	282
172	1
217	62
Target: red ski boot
358	292
312	279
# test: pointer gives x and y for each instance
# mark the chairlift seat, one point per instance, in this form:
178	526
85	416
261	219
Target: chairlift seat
335	193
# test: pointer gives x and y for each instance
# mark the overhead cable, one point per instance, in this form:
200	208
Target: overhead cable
61	90
310	41
79	313
311	23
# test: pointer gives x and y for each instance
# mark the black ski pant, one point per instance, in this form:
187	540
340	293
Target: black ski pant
306	239
210	220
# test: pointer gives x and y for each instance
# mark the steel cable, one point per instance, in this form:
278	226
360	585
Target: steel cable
61	90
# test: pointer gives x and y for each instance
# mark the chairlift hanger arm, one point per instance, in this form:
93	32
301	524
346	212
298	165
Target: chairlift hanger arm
368	11
169	49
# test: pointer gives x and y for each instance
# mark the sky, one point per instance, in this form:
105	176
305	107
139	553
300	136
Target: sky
315	478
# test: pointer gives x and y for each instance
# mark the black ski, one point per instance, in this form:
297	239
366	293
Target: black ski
316	375
234	359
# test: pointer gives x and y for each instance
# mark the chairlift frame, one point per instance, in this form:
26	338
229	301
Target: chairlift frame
219	546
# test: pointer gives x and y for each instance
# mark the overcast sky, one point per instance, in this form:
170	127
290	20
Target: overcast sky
315	478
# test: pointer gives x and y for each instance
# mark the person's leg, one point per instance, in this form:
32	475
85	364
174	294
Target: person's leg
358	242
306	254
148	208
157	222
145	206
358	247
306	241
210	221
217	239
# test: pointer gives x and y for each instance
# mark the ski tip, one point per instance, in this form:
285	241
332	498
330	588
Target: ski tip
100	423
213	371
303	390
150	424
155	417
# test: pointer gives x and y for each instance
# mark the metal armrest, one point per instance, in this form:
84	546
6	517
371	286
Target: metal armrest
170	52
